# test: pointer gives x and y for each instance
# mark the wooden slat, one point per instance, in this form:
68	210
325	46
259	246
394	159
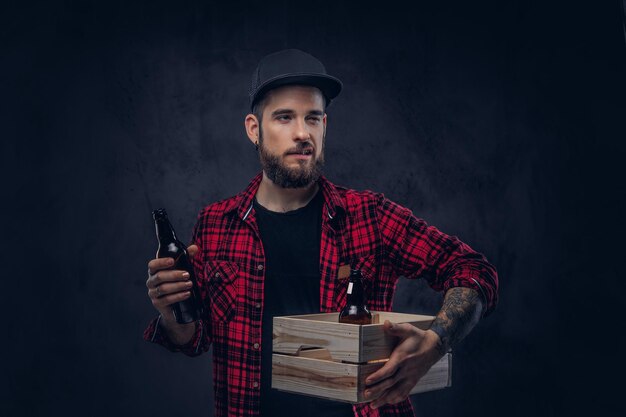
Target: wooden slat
437	377
342	381
291	334
330	317
347	342
420	320
315	377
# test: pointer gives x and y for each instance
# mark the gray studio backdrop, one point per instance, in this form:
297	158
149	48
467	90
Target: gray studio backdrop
463	113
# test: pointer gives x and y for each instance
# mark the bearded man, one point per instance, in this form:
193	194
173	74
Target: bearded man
276	248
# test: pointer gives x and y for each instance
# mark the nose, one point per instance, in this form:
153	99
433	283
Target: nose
302	132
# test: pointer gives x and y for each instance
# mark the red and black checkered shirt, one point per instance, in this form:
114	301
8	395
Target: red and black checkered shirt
361	229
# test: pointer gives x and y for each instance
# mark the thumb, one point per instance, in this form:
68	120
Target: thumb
192	250
397	329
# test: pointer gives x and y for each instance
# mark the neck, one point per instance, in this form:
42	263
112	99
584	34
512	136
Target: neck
279	199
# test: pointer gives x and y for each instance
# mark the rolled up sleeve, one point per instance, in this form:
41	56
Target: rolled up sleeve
198	344
417	250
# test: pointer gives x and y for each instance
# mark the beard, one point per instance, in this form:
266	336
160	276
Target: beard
305	174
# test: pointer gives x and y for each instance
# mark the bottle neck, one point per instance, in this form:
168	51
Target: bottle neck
164	230
356	295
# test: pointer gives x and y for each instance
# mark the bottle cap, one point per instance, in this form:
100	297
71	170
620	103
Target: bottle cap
159	214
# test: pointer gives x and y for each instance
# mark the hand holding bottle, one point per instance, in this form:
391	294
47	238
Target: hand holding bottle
168	286
187	309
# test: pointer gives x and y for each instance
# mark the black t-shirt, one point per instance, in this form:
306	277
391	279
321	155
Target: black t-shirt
291	242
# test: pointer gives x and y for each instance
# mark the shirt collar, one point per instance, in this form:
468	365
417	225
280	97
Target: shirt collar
242	203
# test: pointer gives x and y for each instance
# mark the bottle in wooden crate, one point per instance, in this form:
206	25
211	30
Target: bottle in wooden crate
356	311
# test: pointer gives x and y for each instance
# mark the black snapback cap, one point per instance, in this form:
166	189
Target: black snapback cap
292	66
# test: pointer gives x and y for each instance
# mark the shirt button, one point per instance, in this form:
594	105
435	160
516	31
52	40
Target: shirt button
256	345
217	275
260	267
257	305
255	384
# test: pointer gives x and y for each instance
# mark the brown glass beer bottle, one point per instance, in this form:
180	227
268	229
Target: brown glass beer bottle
189	310
355	311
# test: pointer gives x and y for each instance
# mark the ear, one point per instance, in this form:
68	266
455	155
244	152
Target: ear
252	128
324	121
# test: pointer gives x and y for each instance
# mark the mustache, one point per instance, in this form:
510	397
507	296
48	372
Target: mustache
301	148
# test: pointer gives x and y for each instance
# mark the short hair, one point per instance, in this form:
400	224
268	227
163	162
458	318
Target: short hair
258	108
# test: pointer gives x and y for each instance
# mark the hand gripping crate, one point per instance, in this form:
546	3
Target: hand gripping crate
314	354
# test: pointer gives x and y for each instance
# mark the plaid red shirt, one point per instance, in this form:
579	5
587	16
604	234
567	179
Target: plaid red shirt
362	229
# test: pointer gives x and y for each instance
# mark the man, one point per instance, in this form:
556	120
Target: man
276	248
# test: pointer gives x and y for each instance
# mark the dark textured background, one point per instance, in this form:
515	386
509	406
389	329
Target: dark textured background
499	122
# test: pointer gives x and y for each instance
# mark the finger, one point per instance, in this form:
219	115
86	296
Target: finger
399	393
373	392
382	400
167	300
387	371
173	288
377	403
154	293
393	395
162	290
158	264
192	250
166	276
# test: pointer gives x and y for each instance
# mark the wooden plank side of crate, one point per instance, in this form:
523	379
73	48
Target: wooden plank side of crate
348	342
419	320
330	317
342	381
319	378
290	334
438	376
376	344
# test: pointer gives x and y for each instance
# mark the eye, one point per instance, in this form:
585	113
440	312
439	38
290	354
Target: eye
283	117
315	119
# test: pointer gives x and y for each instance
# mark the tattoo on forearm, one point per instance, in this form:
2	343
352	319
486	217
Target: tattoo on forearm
460	312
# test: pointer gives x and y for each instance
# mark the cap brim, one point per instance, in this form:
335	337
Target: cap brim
328	85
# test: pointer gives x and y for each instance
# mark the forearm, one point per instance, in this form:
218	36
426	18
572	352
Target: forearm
461	310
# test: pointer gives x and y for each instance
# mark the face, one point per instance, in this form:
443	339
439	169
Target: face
291	138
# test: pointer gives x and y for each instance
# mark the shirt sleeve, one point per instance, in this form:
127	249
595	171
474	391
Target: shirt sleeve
154	333
417	250
201	340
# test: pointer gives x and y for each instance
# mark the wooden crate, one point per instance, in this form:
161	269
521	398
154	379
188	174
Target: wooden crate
316	355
